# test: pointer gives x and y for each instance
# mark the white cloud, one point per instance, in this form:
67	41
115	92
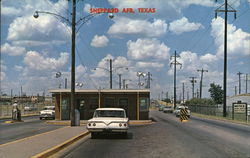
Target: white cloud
147	49
80	72
18	68
149	65
125	25
207	58
87	7
183	25
11	11
237	40
37	62
99	41
12	50
45	28
3	76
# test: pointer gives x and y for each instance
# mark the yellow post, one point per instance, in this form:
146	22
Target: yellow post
138	106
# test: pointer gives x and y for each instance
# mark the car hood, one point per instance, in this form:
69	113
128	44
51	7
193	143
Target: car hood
108	120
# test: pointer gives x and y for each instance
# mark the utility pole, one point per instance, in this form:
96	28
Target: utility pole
202	71
123	83
110	72
175	63
225	53
120	81
197	93
187	95
72	96
65	83
246	82
21	91
235	90
193	81
167	95
239	73
148	80
183	92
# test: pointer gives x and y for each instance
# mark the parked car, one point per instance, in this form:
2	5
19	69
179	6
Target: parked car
168	109
177	111
108	120
48	112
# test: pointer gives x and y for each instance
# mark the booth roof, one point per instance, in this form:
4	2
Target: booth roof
100	90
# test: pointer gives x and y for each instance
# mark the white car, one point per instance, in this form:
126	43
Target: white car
47	112
168	109
108	120
178	110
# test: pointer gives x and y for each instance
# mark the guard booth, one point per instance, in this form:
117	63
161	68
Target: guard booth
135	102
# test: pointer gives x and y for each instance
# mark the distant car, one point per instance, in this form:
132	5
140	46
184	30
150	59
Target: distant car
108	120
28	108
48	112
161	108
168	109
177	111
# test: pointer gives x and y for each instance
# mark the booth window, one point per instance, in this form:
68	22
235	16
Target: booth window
93	103
144	104
109	102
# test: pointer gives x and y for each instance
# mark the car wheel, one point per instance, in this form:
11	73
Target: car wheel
41	118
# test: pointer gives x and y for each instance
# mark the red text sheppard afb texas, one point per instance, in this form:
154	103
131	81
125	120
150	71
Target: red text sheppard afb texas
123	10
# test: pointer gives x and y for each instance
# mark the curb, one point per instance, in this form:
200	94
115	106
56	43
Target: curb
141	122
61	146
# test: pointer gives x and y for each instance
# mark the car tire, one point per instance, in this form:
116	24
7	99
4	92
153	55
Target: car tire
41	118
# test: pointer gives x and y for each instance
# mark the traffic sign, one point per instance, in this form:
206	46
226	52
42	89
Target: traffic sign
183	115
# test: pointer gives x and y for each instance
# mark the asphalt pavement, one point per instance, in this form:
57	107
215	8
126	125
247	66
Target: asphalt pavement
168	138
18	130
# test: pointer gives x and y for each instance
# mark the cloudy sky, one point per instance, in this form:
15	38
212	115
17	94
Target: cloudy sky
34	50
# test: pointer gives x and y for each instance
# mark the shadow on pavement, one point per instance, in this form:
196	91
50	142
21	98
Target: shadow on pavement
113	136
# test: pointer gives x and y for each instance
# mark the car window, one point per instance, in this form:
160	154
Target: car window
109	113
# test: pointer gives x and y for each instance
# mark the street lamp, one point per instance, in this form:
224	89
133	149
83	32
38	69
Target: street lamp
140	74
73	24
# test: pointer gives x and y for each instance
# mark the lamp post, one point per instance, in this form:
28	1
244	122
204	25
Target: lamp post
73	24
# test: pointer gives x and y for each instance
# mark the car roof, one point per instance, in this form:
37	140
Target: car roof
110	109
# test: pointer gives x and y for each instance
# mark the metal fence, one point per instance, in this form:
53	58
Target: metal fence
216	110
26	108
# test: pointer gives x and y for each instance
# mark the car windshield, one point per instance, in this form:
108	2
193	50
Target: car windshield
49	108
109	113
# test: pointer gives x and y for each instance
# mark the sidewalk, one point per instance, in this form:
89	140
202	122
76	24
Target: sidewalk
37	144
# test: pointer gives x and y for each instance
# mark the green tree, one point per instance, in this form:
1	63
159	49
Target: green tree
216	93
200	102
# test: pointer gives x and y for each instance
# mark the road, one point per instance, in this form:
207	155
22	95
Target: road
31	126
168	138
